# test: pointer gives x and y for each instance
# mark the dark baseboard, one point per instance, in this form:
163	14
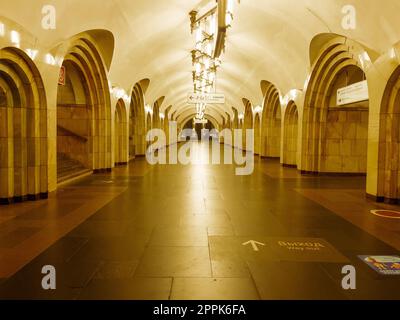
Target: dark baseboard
380	199
6	201
290	166
44	195
375	198
33	197
99	171
309	173
138	156
332	174
20	199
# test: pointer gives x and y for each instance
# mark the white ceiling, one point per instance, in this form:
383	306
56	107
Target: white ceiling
269	40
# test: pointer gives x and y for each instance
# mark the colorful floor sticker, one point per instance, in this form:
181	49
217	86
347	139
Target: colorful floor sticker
390	214
384	265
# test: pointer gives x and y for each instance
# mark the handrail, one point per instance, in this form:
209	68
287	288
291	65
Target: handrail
73	134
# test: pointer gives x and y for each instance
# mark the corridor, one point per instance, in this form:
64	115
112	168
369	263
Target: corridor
224	150
177	232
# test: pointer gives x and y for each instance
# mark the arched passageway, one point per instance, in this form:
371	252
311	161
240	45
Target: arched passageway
83	113
248	124
290	135
149	126
156	120
335	135
120	134
165	124
23	129
389	142
257	134
235	120
228	121
271	123
137	119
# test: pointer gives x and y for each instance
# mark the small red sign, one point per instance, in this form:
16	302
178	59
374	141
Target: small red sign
61	77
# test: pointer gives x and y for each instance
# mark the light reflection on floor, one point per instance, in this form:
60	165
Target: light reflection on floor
177	232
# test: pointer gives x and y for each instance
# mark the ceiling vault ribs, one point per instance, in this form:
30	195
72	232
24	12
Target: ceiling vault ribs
268	40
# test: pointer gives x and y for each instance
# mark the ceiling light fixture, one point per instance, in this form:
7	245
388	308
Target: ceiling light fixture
148	109
15	39
210	33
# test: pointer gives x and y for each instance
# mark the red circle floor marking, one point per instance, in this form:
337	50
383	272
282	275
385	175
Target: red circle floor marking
386	214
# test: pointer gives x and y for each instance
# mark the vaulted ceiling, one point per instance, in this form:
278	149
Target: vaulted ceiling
270	40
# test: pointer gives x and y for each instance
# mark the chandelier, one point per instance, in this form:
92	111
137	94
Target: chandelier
210	33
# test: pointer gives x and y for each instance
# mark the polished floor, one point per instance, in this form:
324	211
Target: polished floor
177	232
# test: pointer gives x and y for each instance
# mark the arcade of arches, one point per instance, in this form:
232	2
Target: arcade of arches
73	174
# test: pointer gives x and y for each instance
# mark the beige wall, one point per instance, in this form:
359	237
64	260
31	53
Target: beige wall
344	148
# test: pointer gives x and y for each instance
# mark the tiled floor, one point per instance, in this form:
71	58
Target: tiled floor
177	232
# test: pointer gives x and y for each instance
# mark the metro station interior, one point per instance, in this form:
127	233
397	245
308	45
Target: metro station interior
312	90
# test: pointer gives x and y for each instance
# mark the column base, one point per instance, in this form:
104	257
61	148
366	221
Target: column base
98	171
20	199
383	199
333	174
290	166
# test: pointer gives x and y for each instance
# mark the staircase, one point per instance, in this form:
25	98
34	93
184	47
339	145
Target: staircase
68	168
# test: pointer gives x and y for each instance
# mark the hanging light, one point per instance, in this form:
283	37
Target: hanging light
148	109
213	25
258	109
229	13
209	44
206	63
50	59
2	29
199	36
32	53
15	38
198	68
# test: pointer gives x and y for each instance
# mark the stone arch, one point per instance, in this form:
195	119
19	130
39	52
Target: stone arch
228	121
389	141
120	134
235	121
227	124
235	124
149	122
271	122
248	123
257	134
83	112
335	138
137	128
23	129
290	135
156	120
166	124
